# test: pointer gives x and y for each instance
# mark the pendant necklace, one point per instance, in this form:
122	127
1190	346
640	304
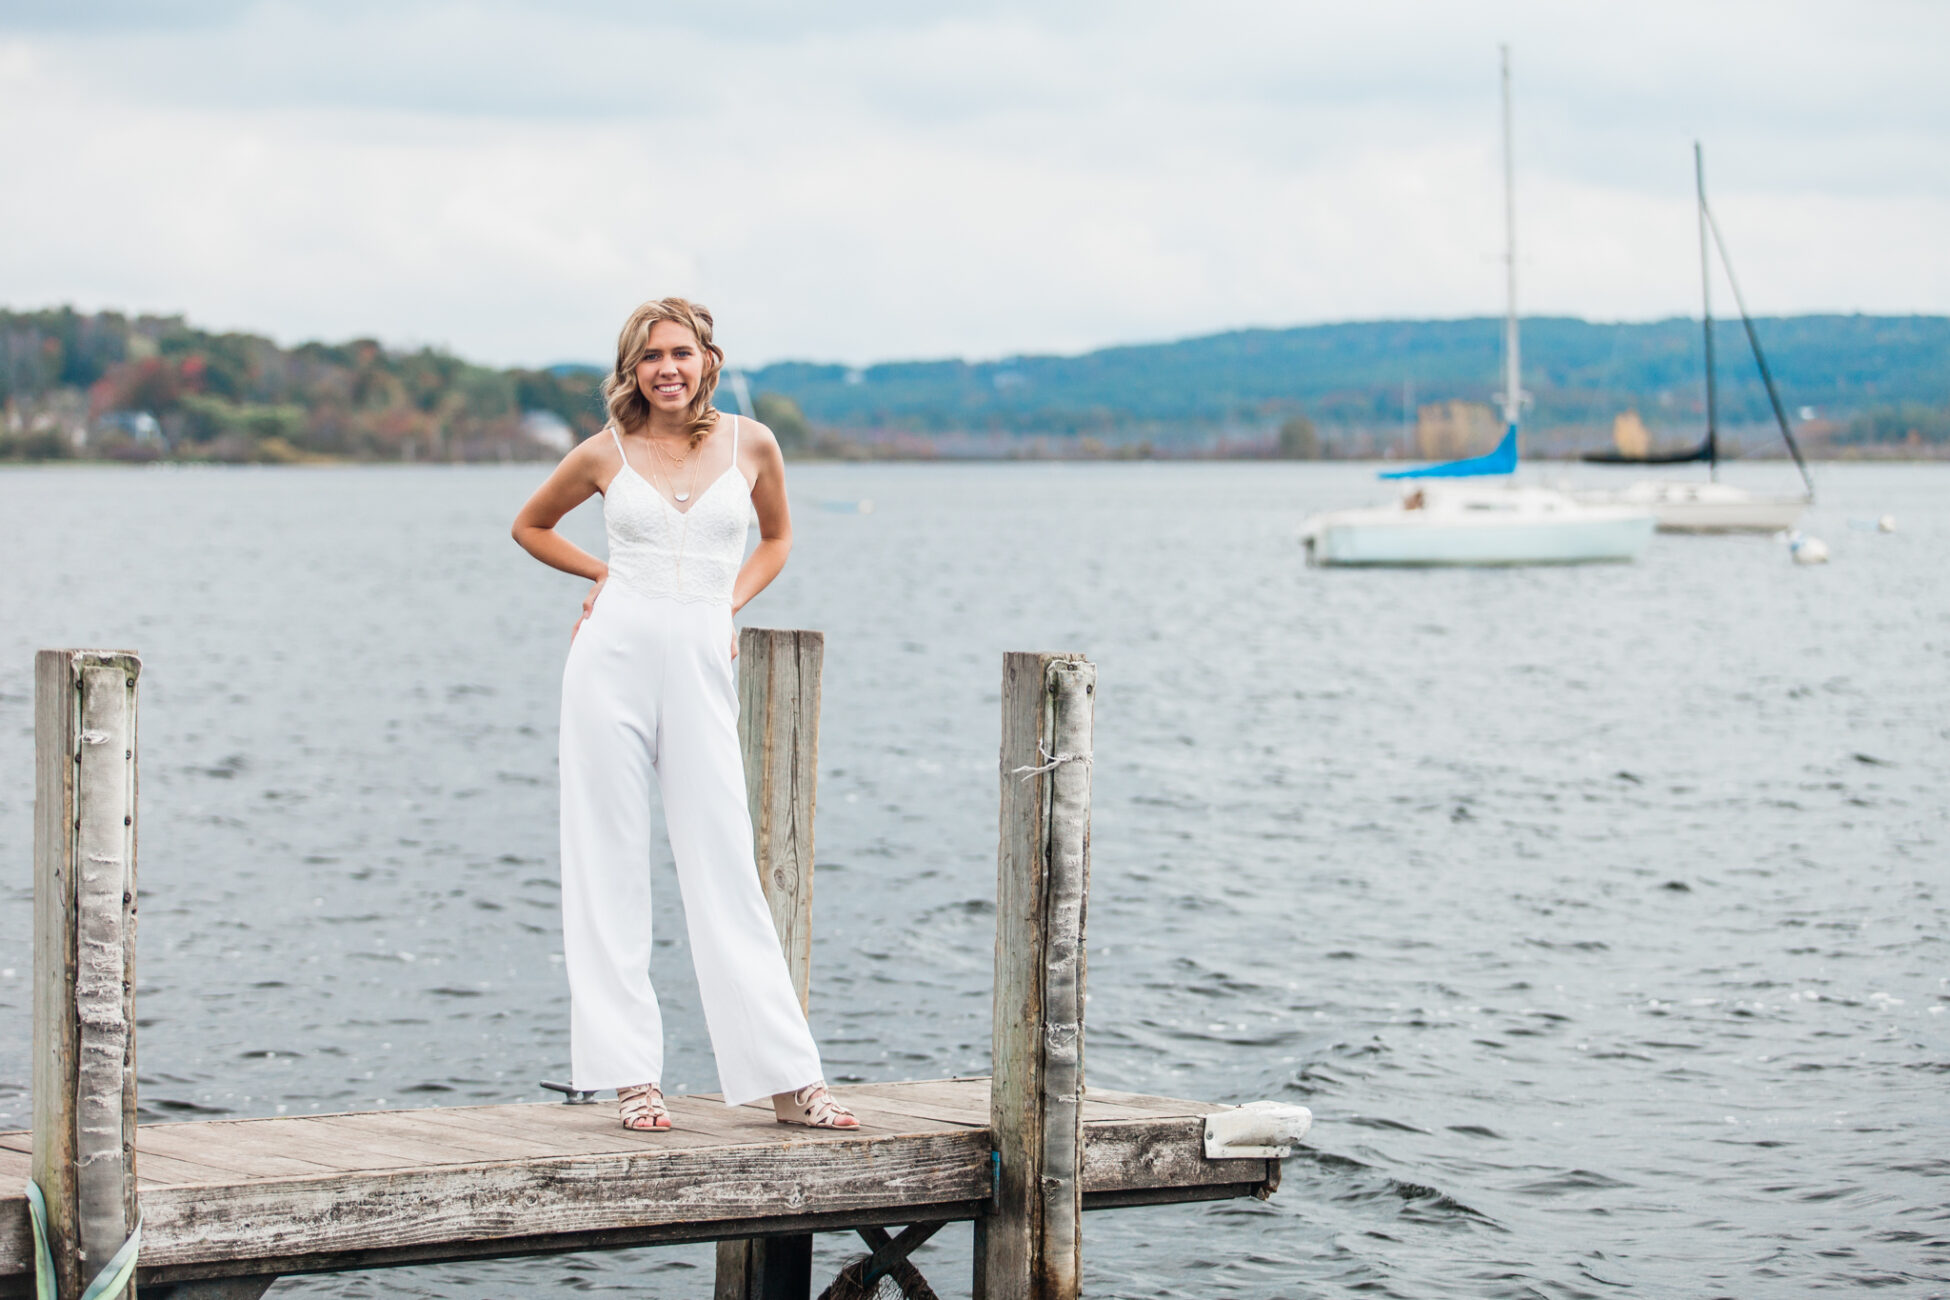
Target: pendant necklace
678	494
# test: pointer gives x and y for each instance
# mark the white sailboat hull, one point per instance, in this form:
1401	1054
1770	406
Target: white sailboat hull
1705	507
1479	526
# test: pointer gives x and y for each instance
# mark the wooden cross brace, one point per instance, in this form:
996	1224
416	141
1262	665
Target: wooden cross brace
860	1280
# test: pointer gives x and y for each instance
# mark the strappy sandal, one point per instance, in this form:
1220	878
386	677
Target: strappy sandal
642	1108
814	1107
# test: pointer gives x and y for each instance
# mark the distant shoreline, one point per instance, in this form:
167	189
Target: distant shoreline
1905	456
107	386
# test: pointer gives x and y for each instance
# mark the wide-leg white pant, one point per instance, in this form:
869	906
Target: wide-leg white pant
648	690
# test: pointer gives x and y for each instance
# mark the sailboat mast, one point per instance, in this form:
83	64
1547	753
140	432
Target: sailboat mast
1511	398
1760	358
1706	316
1503	458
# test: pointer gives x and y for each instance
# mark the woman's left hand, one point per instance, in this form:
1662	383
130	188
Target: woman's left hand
588	605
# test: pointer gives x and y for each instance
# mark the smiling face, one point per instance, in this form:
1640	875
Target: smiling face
671	367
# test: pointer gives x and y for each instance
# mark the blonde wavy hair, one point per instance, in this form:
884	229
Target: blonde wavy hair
629	409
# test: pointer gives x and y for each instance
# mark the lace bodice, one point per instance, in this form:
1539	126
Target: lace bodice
691	555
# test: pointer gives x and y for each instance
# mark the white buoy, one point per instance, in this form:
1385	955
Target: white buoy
1886	524
1807	550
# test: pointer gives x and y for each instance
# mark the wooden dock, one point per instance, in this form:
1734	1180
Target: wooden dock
226	1207
260	1198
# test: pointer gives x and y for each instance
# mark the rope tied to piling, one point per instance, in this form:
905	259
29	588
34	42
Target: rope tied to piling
1050	761
115	1274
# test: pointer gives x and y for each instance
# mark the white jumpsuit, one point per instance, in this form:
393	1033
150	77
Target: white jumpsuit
648	691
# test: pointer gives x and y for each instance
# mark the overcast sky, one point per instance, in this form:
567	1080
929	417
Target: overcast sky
914	180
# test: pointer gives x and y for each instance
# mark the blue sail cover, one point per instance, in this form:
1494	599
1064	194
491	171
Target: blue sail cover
1501	461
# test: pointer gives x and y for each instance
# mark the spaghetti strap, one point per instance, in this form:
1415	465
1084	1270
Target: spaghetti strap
734	443
619	444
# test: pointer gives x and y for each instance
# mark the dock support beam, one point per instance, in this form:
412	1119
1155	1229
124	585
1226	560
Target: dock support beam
1029	1247
84	956
778	728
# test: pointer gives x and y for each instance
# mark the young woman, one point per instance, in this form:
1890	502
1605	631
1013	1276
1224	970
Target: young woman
648	693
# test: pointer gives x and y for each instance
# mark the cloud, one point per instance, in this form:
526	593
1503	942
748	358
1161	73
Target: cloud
899	181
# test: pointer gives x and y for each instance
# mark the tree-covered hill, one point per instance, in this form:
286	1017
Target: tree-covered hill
144	387
108	385
1356	378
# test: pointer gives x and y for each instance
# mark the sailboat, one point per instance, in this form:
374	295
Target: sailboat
1686	506
1471	511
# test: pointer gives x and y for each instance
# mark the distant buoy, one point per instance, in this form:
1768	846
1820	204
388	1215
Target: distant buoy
1807	550
1886	524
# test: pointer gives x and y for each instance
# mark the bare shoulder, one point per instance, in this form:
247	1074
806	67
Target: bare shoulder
591	459
758	448
751	432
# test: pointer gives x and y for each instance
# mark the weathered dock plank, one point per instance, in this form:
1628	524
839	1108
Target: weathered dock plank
362	1189
16	1243
268	1219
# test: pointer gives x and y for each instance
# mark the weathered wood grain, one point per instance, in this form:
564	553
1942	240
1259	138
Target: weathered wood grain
84	955
1121	1155
618	1188
16	1247
419	1207
166	1171
557	1129
959	1101
1029	1248
966	1101
1139	1104
56	722
778	727
254	1148
555	1243
540	1129
481	1138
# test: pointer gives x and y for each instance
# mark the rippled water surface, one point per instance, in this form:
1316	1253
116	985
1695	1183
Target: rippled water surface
1601	915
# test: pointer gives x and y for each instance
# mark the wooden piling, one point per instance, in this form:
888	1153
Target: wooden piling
84	956
1029	1246
778	728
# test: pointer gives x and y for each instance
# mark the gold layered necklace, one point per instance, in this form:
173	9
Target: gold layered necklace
680	495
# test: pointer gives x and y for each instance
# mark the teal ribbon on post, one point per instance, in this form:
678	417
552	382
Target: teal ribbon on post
115	1274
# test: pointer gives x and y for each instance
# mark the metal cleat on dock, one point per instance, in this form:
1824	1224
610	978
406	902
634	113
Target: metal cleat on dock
571	1095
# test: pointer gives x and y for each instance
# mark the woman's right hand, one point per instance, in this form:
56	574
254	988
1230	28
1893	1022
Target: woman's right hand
588	605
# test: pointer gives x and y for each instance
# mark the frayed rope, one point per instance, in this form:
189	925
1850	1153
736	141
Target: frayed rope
1050	762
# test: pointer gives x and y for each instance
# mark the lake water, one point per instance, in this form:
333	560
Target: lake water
1601	915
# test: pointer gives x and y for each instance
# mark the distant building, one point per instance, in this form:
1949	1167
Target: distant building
1630	436
547	429
1452	429
137	426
